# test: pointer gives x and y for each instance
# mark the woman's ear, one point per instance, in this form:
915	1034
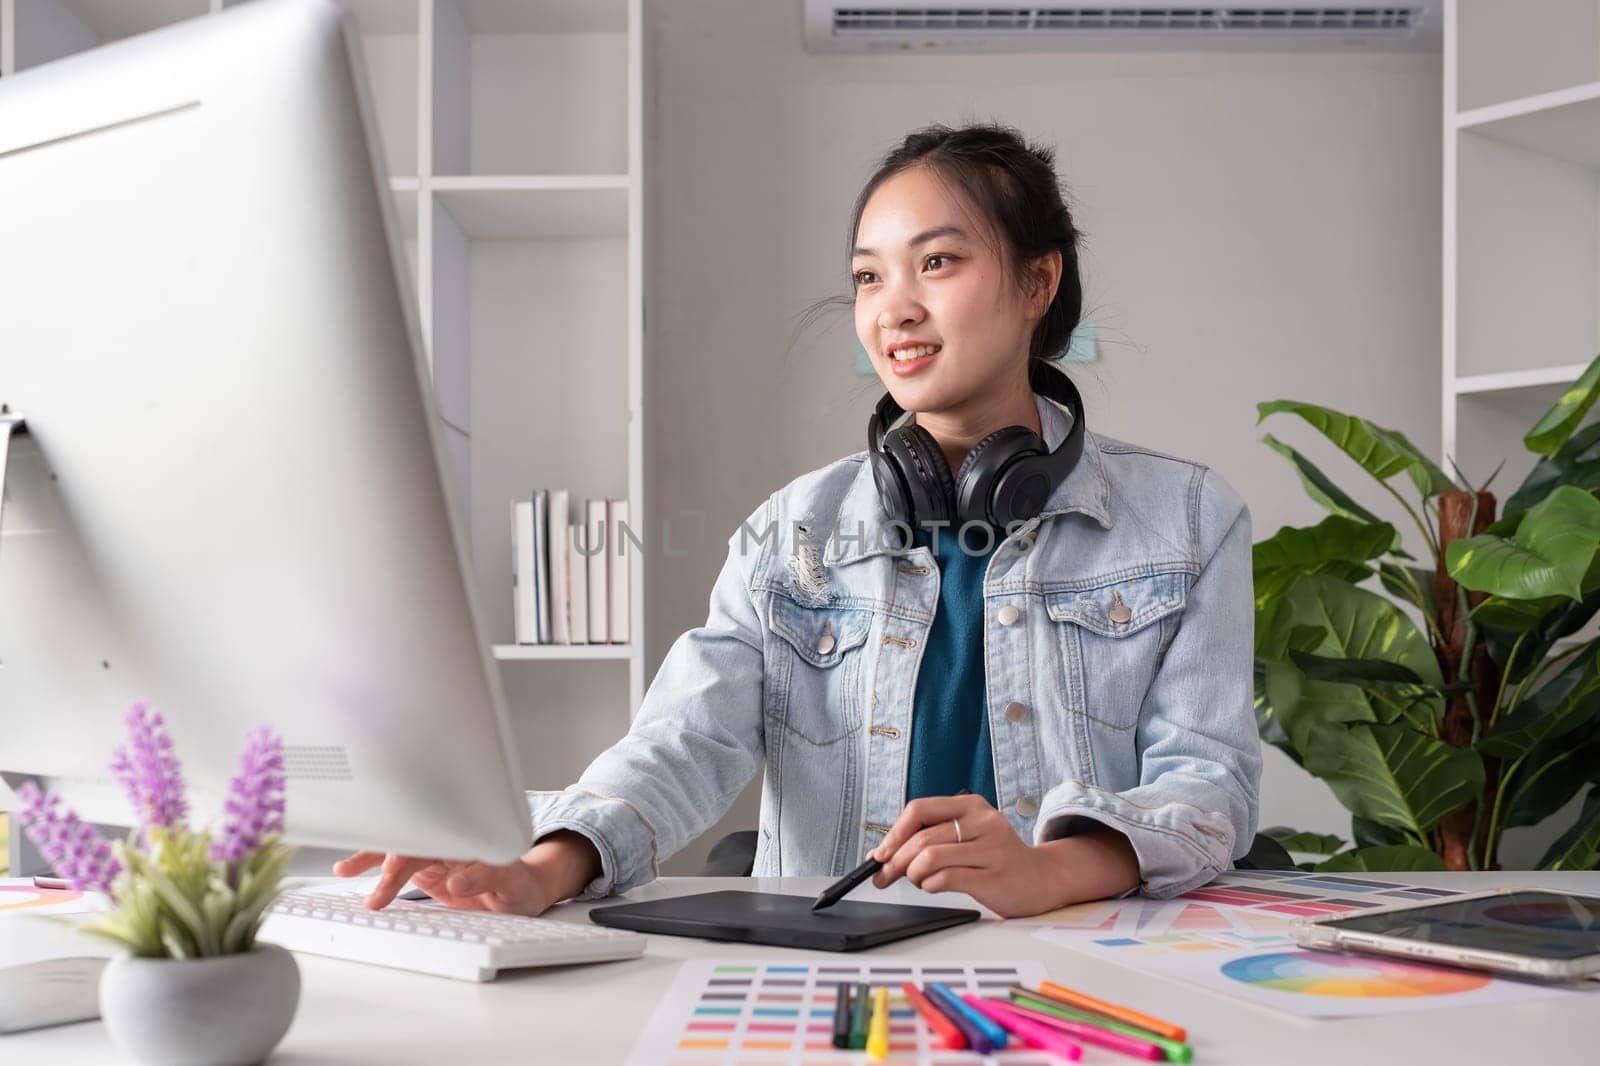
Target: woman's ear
1046	279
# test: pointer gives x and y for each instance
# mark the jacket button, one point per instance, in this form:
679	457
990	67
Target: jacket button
1027	806
1016	712
1008	615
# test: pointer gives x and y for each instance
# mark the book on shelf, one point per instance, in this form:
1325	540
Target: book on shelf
617	581
560	564
524	613
541	562
595	557
571	578
577	584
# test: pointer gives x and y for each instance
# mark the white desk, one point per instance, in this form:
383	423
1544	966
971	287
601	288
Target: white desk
351	1013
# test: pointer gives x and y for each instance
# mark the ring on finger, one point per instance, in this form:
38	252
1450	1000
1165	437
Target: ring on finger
957	823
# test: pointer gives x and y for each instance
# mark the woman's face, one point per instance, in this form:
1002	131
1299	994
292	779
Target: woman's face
924	273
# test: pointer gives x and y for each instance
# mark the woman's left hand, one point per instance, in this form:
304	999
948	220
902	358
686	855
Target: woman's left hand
962	844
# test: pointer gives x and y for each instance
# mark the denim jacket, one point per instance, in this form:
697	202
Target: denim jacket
1118	640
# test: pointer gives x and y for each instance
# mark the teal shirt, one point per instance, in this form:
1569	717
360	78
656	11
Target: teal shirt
950	745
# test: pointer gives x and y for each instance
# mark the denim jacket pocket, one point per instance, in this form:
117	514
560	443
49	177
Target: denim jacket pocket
819	700
1112	637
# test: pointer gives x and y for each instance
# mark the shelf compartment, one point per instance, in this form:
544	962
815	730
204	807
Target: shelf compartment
541	321
45	30
1508	51
1527	273
390	45
1489	430
530	86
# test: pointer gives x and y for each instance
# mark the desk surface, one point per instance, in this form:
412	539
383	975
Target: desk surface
351	1013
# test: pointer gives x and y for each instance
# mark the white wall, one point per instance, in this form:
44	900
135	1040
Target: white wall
1259	226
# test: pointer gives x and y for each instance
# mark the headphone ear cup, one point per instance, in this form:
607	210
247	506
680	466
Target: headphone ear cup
927	475
981	470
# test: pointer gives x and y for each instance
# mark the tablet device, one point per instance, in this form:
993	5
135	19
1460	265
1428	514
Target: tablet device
786	921
1527	932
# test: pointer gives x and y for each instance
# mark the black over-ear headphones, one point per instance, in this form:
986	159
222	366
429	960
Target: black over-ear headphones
1005	478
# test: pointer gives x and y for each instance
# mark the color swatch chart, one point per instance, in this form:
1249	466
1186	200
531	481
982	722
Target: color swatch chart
766	1013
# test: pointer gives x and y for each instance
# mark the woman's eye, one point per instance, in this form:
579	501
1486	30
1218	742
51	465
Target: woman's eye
860	275
937	256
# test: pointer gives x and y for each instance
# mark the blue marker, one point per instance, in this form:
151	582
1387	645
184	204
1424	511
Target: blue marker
997	1036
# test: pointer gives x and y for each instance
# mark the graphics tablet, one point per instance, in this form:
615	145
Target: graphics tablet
786	921
1528	932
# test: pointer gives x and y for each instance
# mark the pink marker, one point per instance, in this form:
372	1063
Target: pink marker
1030	1032
1090	1034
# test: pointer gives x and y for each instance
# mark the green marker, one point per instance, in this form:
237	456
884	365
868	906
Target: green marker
1174	1050
858	1022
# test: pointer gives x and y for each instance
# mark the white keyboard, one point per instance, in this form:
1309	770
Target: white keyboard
430	938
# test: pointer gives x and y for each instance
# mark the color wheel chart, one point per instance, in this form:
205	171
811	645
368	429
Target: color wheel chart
1232	937
731	1013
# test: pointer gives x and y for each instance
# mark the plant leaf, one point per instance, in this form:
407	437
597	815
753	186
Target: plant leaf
1381	452
1336	545
1549	554
1378	859
1303	842
1321	488
1370	834
1552	774
1356	625
1562	704
1579	846
1577	464
1552	430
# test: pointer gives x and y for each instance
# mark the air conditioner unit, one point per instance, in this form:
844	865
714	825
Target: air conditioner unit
931	26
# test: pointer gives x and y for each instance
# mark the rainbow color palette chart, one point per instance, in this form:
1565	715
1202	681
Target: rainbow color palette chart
734	1013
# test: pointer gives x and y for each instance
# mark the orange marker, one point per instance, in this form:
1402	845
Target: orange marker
1111	1010
954	1039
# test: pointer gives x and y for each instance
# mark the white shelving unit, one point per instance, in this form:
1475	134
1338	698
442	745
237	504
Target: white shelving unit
513	133
1521	221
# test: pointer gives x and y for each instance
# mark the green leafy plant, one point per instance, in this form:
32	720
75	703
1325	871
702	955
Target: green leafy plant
177	892
1462	699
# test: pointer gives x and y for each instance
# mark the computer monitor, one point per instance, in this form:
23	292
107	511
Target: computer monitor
230	498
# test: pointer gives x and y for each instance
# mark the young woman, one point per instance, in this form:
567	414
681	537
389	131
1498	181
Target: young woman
1006	656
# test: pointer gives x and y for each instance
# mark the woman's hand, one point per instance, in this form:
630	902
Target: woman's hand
990	863
554	869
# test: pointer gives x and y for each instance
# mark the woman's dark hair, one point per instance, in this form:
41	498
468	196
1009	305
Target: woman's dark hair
1013	187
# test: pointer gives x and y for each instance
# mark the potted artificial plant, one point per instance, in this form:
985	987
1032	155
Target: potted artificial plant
192	984
1464	698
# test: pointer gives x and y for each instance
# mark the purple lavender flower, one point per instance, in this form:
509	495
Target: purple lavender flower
149	771
75	850
255	798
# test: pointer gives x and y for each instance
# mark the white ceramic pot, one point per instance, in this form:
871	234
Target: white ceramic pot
228	1010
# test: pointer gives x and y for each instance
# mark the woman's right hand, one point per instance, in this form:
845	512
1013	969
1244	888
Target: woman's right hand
556	868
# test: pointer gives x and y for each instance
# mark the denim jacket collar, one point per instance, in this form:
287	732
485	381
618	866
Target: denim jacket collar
860	530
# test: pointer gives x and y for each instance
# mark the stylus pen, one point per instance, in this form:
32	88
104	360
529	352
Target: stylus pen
841	888
841	1018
